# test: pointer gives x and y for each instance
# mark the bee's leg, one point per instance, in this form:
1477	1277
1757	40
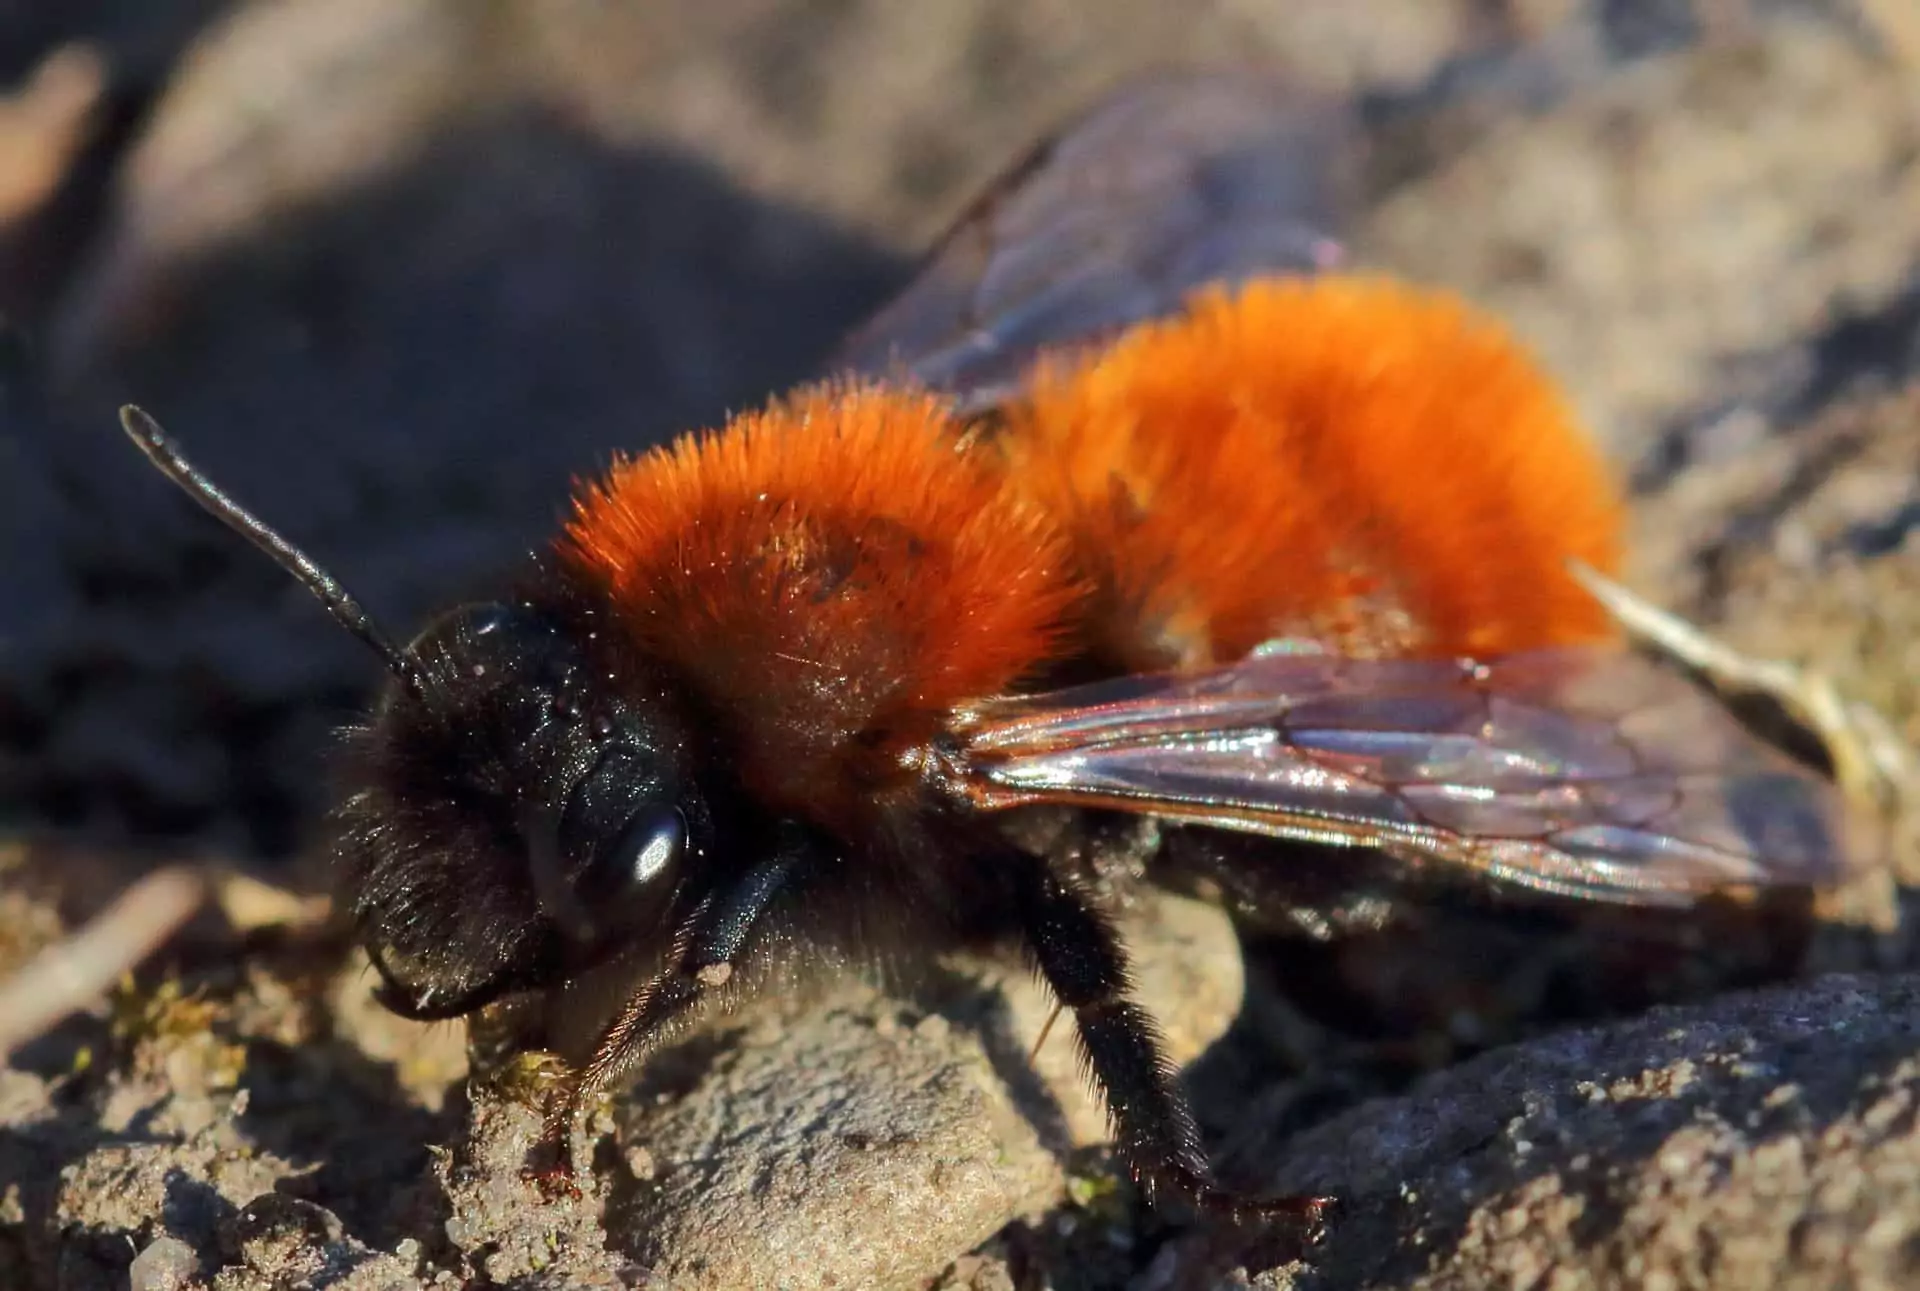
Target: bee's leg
1079	952
708	946
1872	764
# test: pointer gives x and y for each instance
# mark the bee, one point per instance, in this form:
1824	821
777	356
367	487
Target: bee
1136	503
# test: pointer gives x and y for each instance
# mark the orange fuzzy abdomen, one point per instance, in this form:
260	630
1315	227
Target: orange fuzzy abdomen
1346	459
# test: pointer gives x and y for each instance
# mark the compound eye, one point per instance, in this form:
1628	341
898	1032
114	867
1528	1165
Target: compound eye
629	878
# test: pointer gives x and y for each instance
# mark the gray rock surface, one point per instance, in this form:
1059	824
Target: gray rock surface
820	1140
1761	1140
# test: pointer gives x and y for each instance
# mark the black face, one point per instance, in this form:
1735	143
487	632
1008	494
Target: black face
520	818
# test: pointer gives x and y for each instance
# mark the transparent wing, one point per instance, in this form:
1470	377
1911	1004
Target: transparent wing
1166	186
1591	773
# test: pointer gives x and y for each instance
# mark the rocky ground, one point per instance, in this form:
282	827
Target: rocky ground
437	257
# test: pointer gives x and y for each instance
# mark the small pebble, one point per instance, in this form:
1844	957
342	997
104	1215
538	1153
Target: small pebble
167	1264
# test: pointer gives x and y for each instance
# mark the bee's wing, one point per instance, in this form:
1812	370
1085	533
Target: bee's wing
1168	185
1592	773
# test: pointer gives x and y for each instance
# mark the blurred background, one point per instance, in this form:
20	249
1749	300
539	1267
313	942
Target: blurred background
394	270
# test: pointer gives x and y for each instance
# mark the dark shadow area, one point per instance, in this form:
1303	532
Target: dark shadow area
1432	964
1877	350
1862	353
363	1143
1329	1023
78	82
982	1010
193	1205
142	37
404	380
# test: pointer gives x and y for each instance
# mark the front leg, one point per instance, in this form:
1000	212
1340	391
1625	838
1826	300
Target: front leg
1078	950
708	947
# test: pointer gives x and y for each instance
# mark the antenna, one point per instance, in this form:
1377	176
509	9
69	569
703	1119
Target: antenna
165	454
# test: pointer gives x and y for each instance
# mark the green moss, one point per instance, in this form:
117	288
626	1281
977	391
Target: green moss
528	1077
165	1027
1100	1193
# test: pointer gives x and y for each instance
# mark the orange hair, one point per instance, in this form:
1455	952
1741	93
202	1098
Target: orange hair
831	576
1341	457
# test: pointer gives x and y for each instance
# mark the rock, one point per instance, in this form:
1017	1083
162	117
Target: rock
166	1264
277	1240
117	1198
815	1150
1765	1139
837	1141
495	1220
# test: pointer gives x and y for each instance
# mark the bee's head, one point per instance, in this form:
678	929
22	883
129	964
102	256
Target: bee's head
515	815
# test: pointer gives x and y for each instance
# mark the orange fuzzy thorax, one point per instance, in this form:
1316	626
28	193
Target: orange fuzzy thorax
830	577
1344	458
